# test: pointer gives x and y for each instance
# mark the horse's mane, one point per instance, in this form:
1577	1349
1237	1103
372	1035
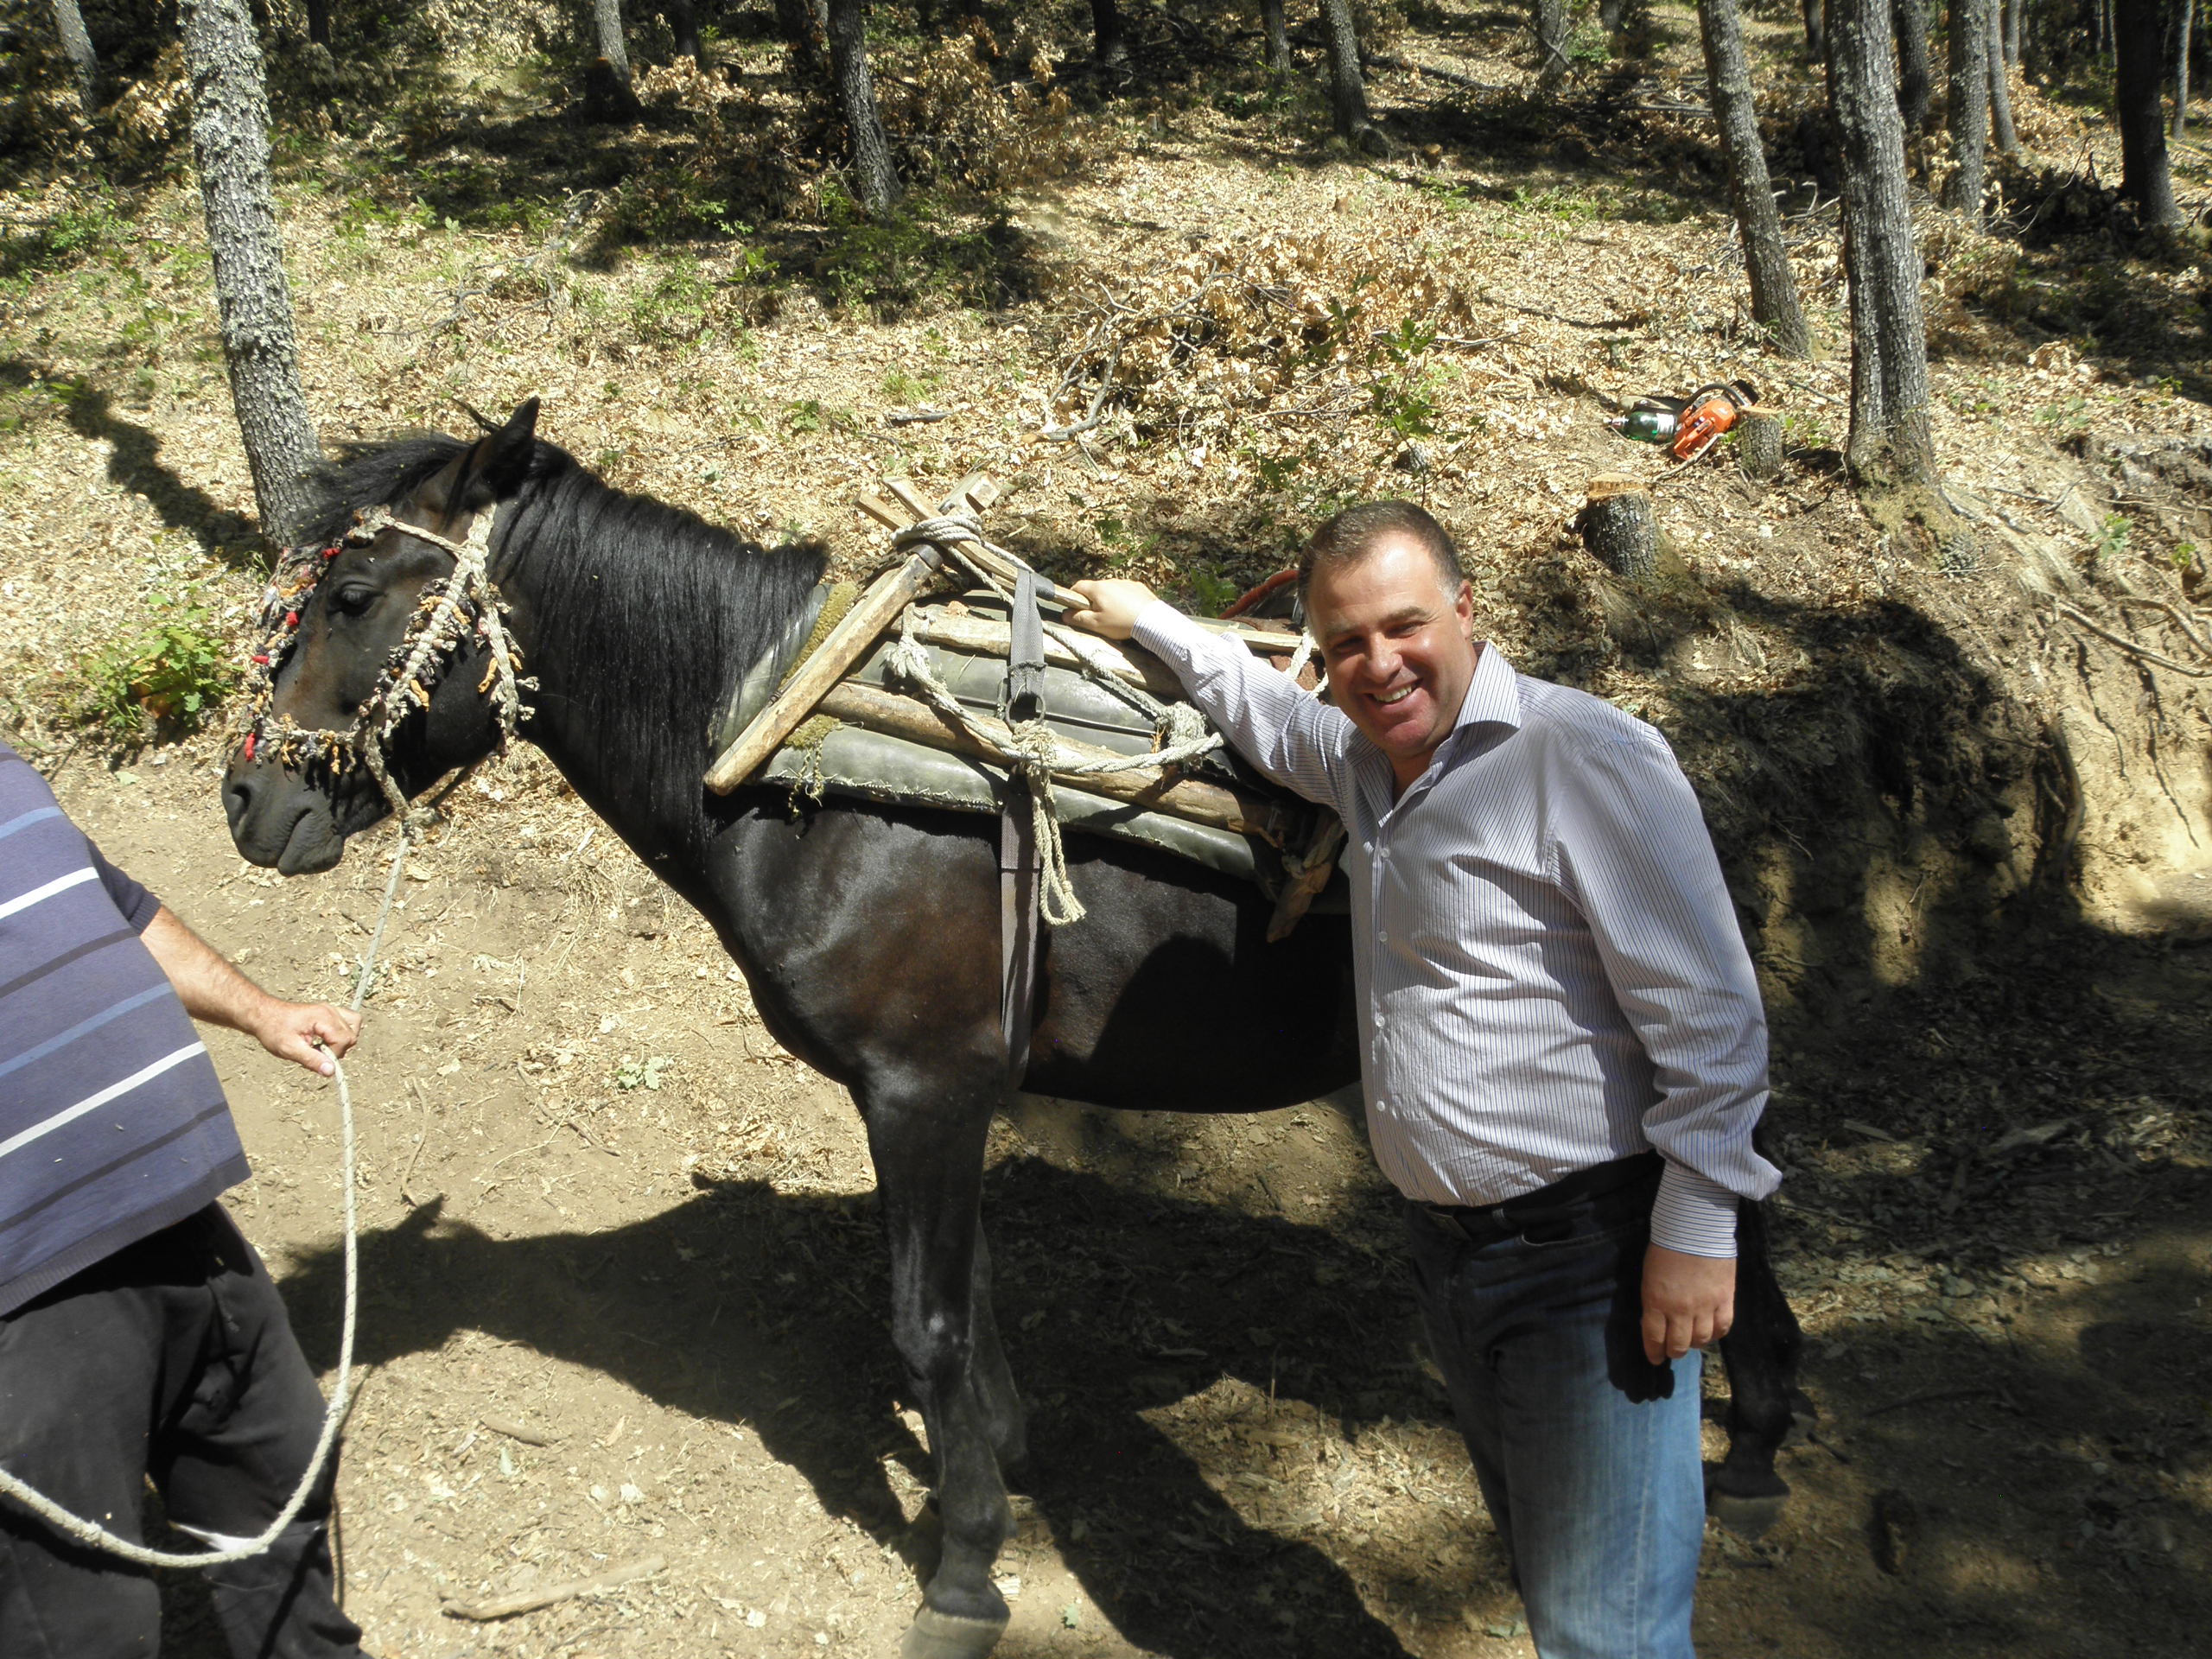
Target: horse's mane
666	609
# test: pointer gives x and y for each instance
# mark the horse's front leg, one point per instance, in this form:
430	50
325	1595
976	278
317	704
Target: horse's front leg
1762	1352
927	1141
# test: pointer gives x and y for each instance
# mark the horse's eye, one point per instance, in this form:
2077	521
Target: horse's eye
353	600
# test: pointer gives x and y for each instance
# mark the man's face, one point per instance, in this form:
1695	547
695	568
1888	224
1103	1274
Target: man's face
1400	649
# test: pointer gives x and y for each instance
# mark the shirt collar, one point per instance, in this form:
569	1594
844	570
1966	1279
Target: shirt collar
1493	696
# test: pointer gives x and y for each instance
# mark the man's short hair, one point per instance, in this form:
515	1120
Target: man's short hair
1355	532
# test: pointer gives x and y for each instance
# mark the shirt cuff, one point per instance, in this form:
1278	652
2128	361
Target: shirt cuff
1693	1214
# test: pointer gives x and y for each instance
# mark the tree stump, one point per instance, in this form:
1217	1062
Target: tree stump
1758	442
1620	526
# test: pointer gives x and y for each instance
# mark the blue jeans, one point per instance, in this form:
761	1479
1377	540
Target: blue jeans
1587	1454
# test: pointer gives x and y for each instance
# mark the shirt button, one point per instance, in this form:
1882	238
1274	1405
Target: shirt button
1382	938
1366	846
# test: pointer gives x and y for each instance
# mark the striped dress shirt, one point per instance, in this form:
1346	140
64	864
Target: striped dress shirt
1548	968
112	1122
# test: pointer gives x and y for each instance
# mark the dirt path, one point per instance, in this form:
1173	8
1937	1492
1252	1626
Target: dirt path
679	1289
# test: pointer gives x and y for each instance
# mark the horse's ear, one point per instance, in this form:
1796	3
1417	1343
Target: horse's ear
492	469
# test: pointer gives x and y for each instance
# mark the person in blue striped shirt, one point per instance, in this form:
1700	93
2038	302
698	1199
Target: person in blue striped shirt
140	1335
1564	1049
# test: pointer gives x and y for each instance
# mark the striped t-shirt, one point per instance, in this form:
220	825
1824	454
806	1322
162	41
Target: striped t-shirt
112	1123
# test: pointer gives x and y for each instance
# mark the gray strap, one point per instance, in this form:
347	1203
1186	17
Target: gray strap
1018	864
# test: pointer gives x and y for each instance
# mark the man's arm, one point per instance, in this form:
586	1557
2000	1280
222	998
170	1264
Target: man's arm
211	990
1634	851
1295	738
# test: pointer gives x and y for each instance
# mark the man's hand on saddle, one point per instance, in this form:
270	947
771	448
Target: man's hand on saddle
1690	1301
1111	606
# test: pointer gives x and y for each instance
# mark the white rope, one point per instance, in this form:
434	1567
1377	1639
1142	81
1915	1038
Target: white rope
333	1417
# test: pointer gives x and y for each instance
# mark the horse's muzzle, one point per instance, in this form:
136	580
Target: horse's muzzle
277	821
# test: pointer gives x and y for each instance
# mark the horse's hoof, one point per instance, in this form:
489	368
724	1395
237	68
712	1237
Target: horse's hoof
1747	1517
946	1636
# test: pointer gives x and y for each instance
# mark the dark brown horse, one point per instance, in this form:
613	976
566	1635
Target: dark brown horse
869	933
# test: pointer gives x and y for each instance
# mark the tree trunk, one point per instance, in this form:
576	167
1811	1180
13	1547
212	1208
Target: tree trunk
684	24
229	143
1759	442
1347	91
1619	527
1968	110
2138	43
607	16
1278	37
1552	63
1774	289
1914	90
871	168
2002	131
2181	69
1891	444
805	25
1610	14
2012	9
1816	29
319	23
77	46
1112	42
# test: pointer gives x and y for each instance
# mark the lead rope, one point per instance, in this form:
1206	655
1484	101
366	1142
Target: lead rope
333	1417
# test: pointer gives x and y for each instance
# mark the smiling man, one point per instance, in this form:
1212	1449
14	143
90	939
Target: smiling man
1564	1050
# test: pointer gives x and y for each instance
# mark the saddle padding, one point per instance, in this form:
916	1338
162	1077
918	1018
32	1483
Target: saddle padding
870	765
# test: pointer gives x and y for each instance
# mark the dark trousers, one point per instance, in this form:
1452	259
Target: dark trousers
172	1359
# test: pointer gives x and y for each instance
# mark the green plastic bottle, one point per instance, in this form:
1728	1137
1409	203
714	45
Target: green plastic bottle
1645	425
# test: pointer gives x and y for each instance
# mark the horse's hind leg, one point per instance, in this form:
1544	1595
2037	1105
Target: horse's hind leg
996	1398
928	1166
1761	1351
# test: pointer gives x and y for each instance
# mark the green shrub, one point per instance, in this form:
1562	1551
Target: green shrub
164	681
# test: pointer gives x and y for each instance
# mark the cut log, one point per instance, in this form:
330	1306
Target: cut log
1620	526
1758	442
1183	797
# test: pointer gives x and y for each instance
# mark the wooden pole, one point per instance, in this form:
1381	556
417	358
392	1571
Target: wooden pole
895	715
1758	442
1620	526
873	612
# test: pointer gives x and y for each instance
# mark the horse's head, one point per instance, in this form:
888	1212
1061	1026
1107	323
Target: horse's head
337	705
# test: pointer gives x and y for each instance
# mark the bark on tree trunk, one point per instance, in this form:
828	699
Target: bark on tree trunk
229	143
1112	44
1347	91
1278	37
2012	32
2181	69
1774	289
1816	29
607	16
871	166
2002	132
1968	102
2145	179
684	24
77	46
1551	41
319	23
1891	444
1759	442
1610	13
1915	91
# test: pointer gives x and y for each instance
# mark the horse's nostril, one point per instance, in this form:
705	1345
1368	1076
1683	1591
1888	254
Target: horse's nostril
237	797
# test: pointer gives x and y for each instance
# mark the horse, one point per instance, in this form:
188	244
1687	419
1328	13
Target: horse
867	932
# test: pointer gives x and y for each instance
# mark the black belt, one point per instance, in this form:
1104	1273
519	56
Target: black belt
1490	1221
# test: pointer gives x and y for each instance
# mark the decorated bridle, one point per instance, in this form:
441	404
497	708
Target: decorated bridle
457	607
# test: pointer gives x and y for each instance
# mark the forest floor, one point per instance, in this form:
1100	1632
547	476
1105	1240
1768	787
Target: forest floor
603	1208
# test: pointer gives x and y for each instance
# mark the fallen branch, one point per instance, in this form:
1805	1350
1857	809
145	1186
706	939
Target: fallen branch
917	417
2130	646
2180	620
529	1601
1488	298
514	1431
1451	75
